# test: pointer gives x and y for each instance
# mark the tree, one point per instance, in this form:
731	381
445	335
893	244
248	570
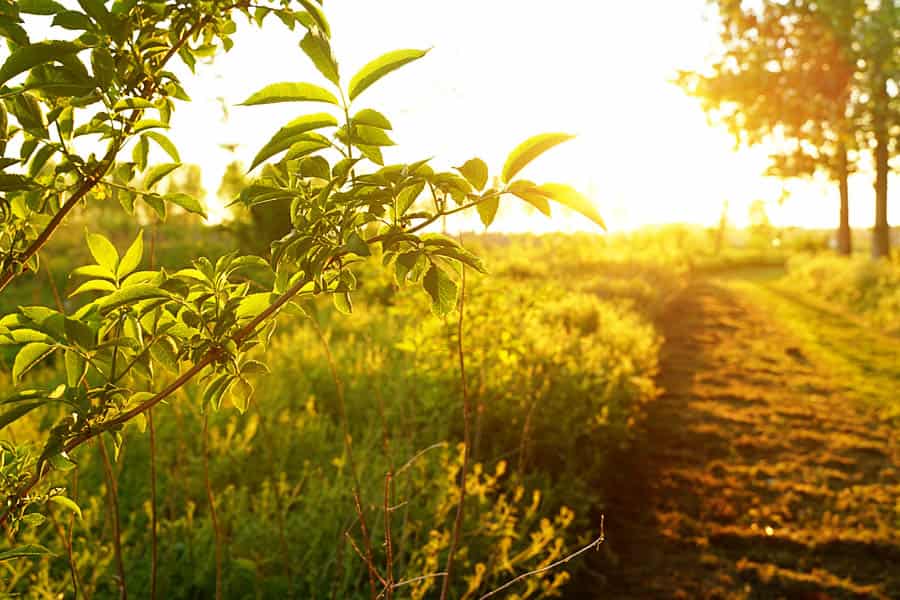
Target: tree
880	41
790	73
139	334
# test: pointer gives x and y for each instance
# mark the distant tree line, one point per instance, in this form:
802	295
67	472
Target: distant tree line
819	79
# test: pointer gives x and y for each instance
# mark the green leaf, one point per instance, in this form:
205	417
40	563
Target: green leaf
145	124
319	52
487	210
357	245
291	92
132	257
18	411
131	295
212	395
373	153
241	392
94	271
304	148
24	336
315	166
75	367
28	111
165	144
292	133
254	367
140	154
530	149
98	13
342	302
157	172
188	203
73	20
372	118
132	104
29	356
442	290
408	196
40	7
103	251
315	11
80	334
165	352
571	198
27	551
380	67
94	285
253	304
67	503
23	59
476	172
371	136
529	192
14	183
103	66
66	122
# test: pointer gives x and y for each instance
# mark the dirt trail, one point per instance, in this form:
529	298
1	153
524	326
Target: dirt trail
756	478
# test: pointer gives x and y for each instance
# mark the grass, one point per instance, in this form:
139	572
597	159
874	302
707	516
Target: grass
734	429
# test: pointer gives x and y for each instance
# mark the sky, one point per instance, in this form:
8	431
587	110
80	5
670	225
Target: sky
500	71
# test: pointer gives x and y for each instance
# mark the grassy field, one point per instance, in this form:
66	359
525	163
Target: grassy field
733	425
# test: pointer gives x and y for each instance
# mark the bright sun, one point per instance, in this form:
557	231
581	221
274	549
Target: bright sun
502	71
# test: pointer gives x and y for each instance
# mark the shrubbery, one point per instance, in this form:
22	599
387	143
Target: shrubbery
866	288
558	368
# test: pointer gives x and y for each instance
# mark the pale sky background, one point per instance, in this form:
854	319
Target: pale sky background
503	70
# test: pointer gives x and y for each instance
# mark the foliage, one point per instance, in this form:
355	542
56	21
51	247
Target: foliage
281	470
810	78
133	334
866	289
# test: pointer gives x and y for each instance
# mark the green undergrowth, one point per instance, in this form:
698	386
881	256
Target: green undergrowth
560	356
862	356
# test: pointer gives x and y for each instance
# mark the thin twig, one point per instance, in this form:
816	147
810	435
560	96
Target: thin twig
103	165
410	462
348	446
372	571
279	501
114	507
415	579
388	547
458	521
154	553
67	542
212	506
153	521
595	544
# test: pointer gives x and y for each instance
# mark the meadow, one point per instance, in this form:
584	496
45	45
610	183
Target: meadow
362	415
559	353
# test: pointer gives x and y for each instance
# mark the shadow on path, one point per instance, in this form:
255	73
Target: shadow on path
753	477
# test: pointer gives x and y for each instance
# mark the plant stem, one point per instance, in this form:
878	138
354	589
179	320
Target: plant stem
114	507
212	506
457	525
348	445
388	544
153	520
102	167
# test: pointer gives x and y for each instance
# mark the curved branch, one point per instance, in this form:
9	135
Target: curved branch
102	169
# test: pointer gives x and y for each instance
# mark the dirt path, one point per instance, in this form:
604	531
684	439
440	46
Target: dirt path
757	477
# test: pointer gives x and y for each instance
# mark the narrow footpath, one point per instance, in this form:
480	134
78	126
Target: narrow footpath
759	473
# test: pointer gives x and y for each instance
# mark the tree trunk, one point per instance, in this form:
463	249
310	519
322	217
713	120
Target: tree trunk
845	246
881	239
881	242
